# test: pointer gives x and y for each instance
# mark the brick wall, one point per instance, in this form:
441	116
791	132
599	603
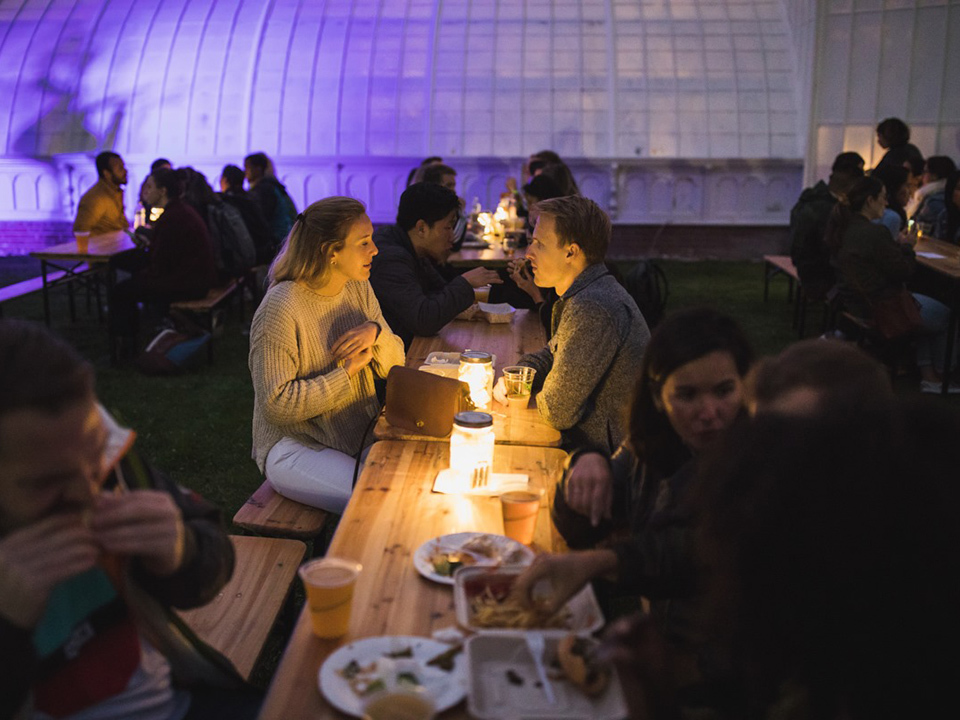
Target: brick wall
23	237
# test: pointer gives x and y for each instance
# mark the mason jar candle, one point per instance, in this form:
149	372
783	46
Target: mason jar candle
476	370
471	445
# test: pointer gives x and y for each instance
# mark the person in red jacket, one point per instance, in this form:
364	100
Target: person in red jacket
177	264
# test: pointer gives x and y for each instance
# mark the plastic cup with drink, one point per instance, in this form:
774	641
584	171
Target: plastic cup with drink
329	584
83	241
412	703
482	294
518	384
520	510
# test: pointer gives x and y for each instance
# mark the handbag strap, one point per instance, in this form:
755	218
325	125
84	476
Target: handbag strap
363	440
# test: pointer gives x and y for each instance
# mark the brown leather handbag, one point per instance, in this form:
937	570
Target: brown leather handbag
422	402
898	315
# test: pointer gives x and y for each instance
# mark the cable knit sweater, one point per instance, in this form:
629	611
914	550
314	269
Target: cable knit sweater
300	391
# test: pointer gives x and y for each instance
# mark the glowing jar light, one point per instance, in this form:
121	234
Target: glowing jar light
476	370
471	445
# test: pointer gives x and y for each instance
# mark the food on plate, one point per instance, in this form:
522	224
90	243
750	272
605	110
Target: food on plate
446	558
445	660
482	545
365	680
577	657
492	606
446	563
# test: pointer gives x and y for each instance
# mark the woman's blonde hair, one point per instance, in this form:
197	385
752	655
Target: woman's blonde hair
319	231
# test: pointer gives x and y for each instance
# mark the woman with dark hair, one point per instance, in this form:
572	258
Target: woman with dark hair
893	135
948	223
873	267
688	394
177	264
896	179
317	342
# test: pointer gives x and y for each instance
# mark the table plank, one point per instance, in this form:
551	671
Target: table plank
948	265
508	341
511	426
391	513
100	250
492	257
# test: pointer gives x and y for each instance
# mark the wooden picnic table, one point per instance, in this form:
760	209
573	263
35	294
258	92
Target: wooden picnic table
391	513
947	267
513	426
66	258
508	341
491	257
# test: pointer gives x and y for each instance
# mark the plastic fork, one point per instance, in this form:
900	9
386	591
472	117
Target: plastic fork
481	476
536	646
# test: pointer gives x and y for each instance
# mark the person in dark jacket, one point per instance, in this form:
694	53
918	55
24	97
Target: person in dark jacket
414	296
808	223
89	540
232	192
873	267
271	196
178	264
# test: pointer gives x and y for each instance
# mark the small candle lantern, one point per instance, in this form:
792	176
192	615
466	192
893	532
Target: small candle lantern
476	370
471	445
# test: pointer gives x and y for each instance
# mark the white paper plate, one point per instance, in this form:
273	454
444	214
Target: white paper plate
446	689
453	542
492	695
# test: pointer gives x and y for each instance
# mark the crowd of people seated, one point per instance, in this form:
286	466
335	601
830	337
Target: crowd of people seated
844	256
790	521
189	237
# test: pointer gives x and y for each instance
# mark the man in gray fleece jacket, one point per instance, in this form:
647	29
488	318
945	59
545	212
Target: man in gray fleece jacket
587	371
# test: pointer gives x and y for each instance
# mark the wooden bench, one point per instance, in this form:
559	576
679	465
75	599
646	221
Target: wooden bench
779	265
32	285
782	265
238	621
268	513
204	307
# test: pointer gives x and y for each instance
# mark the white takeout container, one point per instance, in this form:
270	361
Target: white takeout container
496	313
584	611
490	695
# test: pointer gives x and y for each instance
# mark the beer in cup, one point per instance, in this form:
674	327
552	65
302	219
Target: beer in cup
329	584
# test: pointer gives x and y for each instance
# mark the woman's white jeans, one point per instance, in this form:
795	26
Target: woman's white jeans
319	478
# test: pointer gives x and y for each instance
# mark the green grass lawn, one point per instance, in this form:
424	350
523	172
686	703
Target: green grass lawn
197	427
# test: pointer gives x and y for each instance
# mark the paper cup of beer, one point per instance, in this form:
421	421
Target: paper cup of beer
329	584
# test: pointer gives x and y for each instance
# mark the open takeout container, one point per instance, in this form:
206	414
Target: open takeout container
502	682
583	612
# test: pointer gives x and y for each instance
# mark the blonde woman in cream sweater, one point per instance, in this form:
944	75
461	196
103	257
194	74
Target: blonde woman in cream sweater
317	340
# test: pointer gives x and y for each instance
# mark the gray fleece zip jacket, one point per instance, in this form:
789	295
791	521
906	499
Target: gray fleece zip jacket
587	372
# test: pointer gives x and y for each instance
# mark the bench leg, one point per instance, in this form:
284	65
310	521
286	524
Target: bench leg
70	300
46	294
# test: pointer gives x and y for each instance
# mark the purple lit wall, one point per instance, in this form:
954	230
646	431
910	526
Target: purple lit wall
694	111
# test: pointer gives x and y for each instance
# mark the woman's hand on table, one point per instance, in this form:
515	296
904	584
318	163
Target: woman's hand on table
553	579
480	276
517	270
355	340
589	487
